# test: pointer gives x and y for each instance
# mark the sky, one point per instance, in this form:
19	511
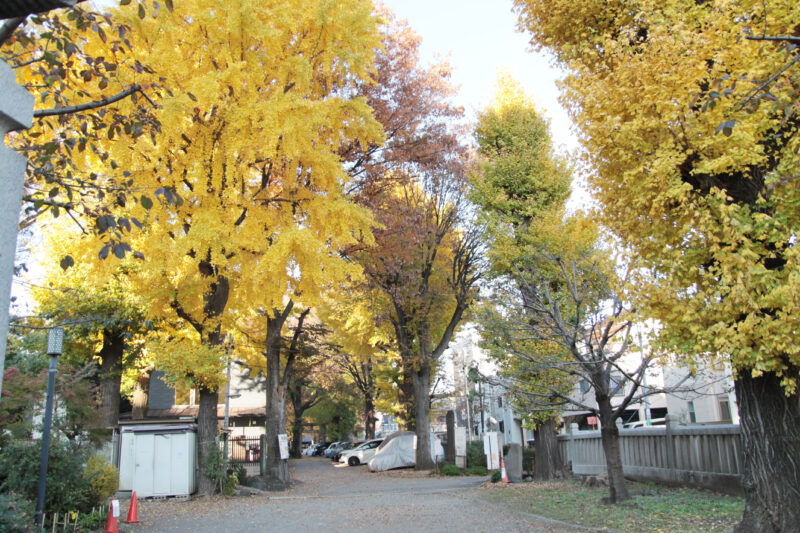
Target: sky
479	38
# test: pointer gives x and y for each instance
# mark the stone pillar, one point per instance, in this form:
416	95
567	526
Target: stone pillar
450	450
669	443
514	463
573	429
16	113
262	455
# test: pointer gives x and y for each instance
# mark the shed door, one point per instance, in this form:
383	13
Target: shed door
161	464
143	473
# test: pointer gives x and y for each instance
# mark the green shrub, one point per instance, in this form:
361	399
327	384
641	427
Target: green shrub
229	485
102	476
92	521
477	471
67	488
450	470
237	469
527	459
496	476
475	455
16	513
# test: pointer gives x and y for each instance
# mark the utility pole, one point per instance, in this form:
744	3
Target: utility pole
644	380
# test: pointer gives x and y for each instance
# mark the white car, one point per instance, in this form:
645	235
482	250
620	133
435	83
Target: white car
361	454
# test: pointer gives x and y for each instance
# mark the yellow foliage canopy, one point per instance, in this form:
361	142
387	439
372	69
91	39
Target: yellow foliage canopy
244	183
692	130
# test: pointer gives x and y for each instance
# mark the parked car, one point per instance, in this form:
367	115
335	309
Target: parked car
349	445
360	454
334	447
321	449
643	423
309	452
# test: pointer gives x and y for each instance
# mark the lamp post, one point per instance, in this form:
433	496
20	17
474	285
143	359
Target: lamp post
55	339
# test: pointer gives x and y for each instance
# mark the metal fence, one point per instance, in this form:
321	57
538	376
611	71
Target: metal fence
244	450
701	456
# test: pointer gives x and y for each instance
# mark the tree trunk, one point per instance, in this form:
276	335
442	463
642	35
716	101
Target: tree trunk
609	435
277	468
406	399
297	439
110	376
369	416
547	457
422	387
770	425
297	431
206	438
141	394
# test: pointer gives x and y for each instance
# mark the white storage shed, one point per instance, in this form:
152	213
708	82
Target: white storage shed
158	459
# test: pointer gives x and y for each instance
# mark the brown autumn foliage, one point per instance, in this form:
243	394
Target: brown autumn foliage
424	260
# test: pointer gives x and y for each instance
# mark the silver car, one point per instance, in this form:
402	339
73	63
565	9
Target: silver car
360	454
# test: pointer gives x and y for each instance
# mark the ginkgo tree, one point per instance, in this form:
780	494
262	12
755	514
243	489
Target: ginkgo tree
356	315
688	115
240	198
520	186
106	312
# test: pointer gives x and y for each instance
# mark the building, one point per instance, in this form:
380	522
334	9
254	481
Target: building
246	409
478	404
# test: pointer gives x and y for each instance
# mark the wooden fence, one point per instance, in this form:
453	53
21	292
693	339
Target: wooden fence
66	522
699	456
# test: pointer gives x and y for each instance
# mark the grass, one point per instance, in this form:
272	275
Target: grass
653	509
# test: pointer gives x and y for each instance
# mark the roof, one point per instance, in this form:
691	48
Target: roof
20	8
191	410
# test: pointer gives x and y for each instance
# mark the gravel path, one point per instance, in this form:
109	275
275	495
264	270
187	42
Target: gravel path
327	498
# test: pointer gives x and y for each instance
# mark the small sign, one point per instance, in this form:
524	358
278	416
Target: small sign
591	420
115	508
491	447
283	444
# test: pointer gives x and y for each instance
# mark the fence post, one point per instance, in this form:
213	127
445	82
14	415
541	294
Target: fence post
262	456
573	428
669	442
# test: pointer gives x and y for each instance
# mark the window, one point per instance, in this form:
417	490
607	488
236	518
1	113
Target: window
499	402
618	380
724	409
584	386
692	414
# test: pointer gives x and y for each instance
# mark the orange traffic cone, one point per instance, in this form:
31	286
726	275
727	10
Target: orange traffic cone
503	471
133	515
111	523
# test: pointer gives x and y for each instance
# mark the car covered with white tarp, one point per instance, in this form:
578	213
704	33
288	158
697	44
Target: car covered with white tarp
399	449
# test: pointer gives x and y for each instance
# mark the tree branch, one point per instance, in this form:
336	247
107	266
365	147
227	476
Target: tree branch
292	355
786	38
181	312
66	110
8	28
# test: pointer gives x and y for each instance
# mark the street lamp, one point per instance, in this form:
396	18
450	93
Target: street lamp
55	340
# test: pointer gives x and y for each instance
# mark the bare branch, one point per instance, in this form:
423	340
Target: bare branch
784	38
